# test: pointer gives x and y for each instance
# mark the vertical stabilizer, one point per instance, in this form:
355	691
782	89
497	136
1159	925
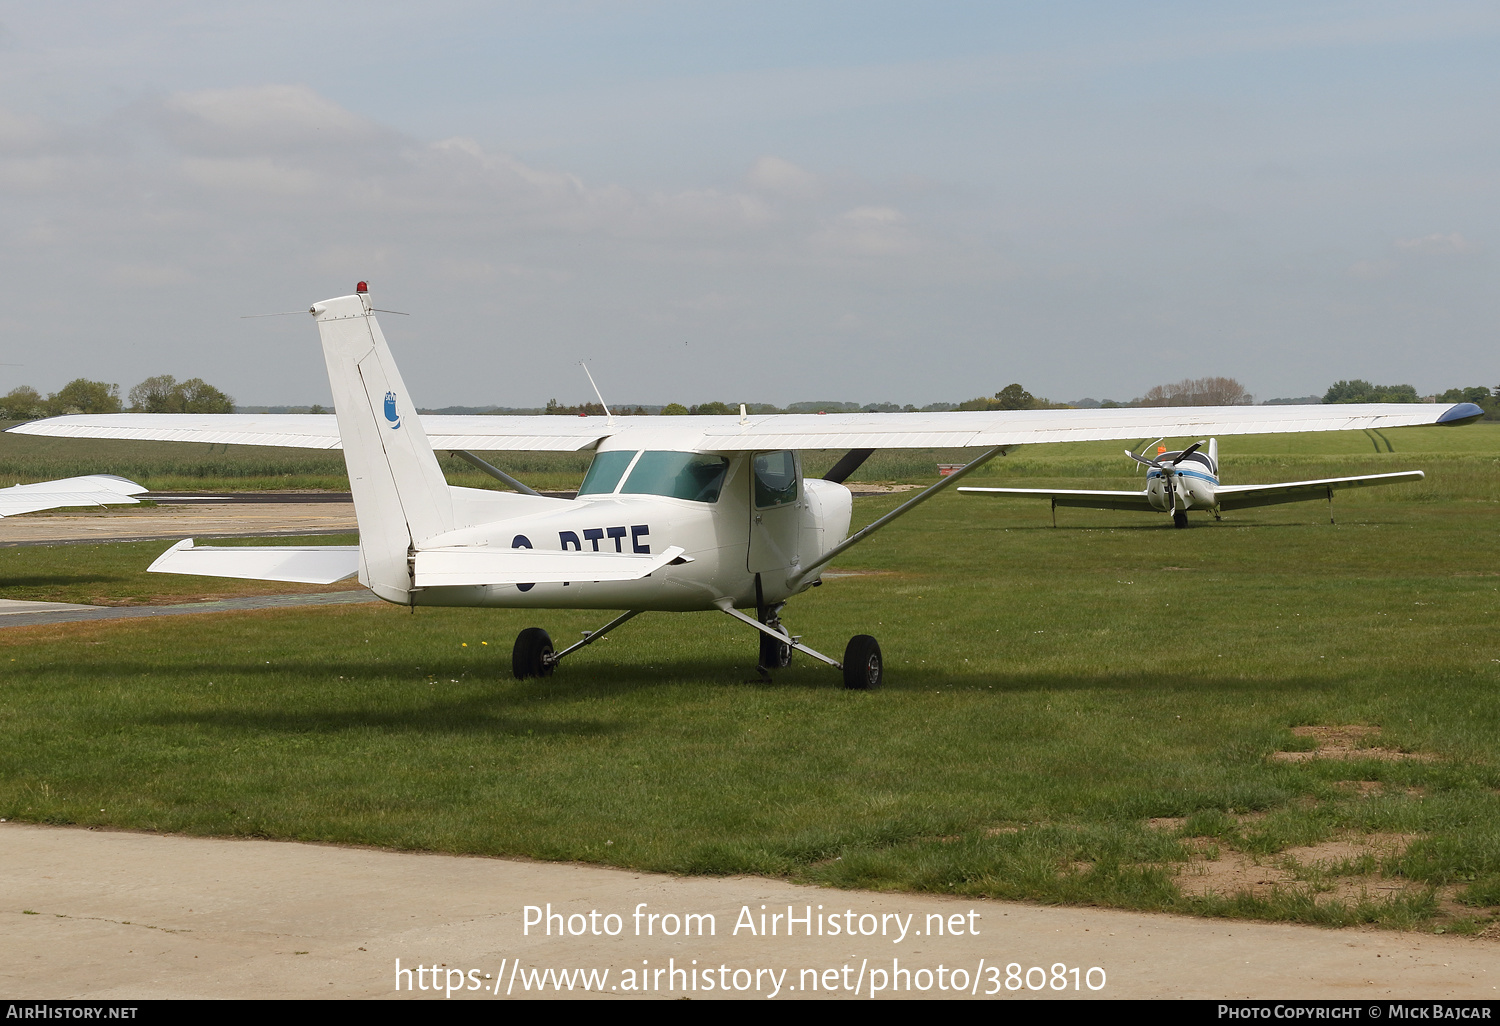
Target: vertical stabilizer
400	495
1213	455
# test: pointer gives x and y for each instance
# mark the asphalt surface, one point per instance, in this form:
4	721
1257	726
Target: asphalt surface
63	612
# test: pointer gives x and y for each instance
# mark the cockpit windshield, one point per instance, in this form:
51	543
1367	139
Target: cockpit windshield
681	475
605	472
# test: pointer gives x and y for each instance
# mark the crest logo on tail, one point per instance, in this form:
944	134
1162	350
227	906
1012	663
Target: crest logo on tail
390	411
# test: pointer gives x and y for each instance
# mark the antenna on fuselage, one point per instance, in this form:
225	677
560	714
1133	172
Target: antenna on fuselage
611	416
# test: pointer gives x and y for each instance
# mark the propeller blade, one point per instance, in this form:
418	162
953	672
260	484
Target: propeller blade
1142	459
1187	452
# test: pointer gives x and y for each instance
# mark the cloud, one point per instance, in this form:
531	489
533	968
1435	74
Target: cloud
783	178
273	118
1438	244
866	231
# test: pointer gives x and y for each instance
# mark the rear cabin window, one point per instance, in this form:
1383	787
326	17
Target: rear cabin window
605	472
775	478
680	475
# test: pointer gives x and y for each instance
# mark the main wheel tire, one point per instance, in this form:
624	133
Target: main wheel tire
1179	518
532	654
774	655
863	667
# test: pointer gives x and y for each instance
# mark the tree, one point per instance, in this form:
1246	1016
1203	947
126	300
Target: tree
1197	392
198	396
22	403
1361	391
711	409
1014	397
154	395
165	394
84	396
674	410
1011	397
1478	395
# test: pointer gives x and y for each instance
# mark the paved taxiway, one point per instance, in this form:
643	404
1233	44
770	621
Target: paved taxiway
104	914
246	515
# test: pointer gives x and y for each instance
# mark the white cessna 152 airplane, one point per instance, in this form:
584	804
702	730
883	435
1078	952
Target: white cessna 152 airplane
1180	481
675	514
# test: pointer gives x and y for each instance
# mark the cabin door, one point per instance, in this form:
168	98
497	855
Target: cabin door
775	510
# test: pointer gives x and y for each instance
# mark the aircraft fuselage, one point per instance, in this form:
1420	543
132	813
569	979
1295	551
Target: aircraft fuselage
728	543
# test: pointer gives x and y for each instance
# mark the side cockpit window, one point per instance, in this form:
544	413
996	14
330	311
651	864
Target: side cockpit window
775	479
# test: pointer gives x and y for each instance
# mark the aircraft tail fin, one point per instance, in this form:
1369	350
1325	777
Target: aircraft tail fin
1213	454
400	495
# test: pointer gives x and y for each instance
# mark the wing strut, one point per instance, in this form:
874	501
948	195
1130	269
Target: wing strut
848	464
905	507
495	472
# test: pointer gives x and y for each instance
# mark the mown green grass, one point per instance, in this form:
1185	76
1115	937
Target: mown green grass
1048	692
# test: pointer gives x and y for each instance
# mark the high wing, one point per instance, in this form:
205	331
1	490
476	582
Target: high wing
93	490
1074	497
773	431
1246	496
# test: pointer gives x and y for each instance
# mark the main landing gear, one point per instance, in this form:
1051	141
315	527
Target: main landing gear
532	655
862	667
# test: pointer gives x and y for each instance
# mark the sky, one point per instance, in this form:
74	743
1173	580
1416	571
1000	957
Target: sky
764	202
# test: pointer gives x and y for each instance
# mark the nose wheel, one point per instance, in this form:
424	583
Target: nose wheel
1179	518
862	667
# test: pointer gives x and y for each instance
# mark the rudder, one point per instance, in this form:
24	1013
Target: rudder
400	495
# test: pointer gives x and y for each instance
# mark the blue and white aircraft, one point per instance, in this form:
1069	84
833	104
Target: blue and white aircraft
675	514
1177	482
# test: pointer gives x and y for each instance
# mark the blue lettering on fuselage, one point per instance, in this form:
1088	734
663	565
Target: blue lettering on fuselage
594	535
520	541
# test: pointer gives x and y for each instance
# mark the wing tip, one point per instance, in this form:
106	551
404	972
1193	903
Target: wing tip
1463	413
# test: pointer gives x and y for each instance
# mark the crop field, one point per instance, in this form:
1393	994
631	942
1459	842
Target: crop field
1270	717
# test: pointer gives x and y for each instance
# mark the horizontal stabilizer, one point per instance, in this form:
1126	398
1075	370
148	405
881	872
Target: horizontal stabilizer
1073	497
462	566
1248	496
298	564
91	490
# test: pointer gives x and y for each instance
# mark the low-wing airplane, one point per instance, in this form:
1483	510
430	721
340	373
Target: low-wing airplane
674	514
1188	479
92	490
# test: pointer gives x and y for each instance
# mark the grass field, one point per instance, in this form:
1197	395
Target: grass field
1089	714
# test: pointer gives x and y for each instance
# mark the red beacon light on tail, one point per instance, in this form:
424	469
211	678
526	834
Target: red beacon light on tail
362	288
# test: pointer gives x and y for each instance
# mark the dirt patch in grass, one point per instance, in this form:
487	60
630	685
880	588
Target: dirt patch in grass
1231	872
1166	822
1353	741
1330	870
1378	788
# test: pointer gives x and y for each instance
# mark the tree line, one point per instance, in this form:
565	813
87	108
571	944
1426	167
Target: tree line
160	394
